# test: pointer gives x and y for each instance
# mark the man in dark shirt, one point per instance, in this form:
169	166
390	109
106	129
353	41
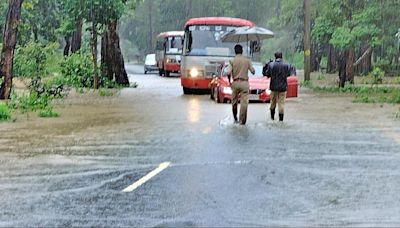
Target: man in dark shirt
278	71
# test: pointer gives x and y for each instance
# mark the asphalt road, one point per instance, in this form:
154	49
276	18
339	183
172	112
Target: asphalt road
331	163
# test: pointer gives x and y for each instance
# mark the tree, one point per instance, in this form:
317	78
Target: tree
349	25
99	13
9	42
112	60
71	26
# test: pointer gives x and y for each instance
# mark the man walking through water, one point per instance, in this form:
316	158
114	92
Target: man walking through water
238	71
278	71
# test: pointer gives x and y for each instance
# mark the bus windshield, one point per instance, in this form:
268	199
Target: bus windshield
205	40
174	45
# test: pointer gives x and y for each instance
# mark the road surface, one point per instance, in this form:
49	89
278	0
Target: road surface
151	156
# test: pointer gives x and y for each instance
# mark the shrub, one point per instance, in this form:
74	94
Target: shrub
377	75
47	112
77	70
32	102
31	60
4	112
105	92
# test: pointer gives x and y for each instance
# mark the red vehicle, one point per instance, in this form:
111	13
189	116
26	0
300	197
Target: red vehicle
168	52
204	52
259	85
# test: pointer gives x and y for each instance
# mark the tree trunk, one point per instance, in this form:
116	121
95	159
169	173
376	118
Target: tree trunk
315	57
307	39
76	41
93	45
104	59
278	9
67	45
342	68
113	64
150	35
9	42
363	65
349	65
121	77
332	59
106	56
189	8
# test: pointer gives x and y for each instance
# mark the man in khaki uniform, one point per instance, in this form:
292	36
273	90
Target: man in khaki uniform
238	71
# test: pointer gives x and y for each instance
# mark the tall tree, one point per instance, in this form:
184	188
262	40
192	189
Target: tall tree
9	42
112	60
99	13
307	40
349	25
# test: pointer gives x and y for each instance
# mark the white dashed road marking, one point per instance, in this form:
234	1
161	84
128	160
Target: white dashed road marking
146	178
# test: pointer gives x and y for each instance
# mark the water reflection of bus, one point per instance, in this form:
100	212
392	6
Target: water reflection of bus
203	50
169	51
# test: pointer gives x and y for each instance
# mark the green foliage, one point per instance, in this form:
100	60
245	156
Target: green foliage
397	80
306	84
342	37
377	75
31	60
364	94
47	112
39	21
100	11
31	102
320	76
105	92
4	112
77	70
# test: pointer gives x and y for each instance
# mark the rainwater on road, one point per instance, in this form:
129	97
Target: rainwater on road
331	163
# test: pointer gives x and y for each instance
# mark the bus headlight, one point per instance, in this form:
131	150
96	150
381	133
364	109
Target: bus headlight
227	90
194	72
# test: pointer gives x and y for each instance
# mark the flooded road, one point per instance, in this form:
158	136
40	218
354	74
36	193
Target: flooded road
331	163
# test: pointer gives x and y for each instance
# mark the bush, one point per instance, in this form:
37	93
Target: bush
4	112
31	102
31	60
48	112
105	92
377	75
77	70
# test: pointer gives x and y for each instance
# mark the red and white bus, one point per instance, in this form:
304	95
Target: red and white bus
169	51
204	52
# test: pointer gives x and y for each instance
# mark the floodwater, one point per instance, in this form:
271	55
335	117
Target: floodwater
331	163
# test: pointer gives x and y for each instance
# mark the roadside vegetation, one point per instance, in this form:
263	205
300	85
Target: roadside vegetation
372	88
55	50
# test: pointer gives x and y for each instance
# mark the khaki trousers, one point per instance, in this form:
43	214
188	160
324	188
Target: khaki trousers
278	98
240	88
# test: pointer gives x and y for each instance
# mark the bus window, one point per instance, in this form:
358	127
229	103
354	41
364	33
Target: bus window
174	45
206	41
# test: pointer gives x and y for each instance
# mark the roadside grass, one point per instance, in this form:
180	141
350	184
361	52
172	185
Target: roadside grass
47	113
366	89
106	92
4	112
363	94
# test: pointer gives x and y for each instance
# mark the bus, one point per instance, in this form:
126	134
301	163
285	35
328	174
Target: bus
204	52
169	51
